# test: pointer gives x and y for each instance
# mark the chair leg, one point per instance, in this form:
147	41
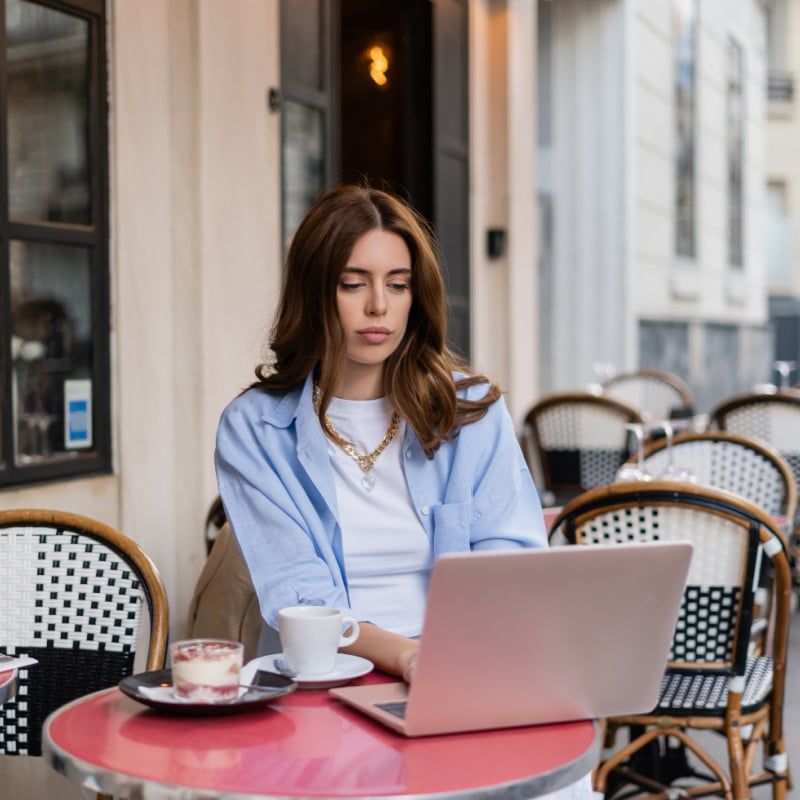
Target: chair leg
605	768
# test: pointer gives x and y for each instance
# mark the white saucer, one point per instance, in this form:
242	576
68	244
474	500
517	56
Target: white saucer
345	669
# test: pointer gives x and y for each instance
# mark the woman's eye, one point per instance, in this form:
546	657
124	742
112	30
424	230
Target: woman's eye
350	287
399	287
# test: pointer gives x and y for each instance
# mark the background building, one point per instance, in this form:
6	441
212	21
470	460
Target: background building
783	177
595	169
652	184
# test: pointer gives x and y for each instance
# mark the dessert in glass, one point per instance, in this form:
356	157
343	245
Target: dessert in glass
206	670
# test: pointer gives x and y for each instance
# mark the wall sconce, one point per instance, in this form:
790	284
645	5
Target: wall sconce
378	65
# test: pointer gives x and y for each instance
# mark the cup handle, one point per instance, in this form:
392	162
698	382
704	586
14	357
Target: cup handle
353	635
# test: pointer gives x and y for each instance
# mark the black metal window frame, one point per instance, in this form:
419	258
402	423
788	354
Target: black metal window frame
93	236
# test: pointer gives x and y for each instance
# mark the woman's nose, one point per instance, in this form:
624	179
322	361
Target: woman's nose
377	302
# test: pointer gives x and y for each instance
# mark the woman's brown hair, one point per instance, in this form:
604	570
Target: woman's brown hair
307	334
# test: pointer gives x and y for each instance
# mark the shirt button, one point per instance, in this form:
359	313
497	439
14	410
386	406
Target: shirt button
426	510
408	453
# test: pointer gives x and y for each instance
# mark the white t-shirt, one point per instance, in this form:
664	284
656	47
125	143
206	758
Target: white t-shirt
387	553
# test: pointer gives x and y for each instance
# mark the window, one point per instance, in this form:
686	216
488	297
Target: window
54	351
780	80
735	152
685	25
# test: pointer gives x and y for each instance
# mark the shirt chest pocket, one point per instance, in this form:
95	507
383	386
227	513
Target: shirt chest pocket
451	524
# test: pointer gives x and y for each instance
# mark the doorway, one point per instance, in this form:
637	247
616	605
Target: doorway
377	92
385	111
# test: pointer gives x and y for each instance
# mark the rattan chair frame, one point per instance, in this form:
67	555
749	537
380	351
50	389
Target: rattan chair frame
79	530
674	385
540	455
757	536
729	415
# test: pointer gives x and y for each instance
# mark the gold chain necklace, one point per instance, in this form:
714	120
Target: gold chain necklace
366	461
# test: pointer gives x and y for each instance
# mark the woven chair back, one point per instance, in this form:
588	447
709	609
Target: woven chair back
75	594
738	464
771	418
577	441
656	394
713	629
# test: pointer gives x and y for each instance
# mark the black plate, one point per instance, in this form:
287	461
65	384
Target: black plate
267	687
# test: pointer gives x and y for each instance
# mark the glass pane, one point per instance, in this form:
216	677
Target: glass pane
685	16
48	142
735	153
51	346
303	162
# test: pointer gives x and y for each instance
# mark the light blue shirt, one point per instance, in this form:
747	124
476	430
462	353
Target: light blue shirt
276	483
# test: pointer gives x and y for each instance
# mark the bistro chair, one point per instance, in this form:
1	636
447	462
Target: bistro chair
576	441
747	467
657	394
739	464
712	681
224	604
772	417
82	599
215	519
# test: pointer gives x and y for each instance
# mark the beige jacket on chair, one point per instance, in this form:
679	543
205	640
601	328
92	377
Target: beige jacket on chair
224	604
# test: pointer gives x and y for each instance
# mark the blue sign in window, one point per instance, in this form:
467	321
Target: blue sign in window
78	430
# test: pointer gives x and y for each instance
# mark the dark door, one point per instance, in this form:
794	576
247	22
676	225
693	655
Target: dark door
391	109
451	159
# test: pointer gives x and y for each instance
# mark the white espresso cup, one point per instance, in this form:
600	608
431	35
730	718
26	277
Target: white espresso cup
311	635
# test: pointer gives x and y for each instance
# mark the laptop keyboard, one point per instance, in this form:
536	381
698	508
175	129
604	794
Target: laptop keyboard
396	707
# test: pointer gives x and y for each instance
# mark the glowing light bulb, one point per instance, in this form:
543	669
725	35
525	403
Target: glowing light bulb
379	64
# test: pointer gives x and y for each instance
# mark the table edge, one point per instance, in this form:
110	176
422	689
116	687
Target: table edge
104	781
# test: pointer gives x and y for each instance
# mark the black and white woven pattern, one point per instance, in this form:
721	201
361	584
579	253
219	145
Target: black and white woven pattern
647	393
73	604
581	426
708	694
774	422
730	466
711	605
586	469
706	626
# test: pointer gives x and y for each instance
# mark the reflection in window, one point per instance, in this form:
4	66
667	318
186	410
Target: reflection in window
735	155
303	162
54	404
684	26
47	60
50	344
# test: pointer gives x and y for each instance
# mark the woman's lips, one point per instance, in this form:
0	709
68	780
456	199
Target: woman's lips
374	335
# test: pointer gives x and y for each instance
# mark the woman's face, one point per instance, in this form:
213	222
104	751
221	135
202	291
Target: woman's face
374	301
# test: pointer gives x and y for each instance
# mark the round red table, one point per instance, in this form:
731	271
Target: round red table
305	745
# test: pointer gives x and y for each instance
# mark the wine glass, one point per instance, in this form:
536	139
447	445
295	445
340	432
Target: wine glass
637	471
784	369
672	472
603	370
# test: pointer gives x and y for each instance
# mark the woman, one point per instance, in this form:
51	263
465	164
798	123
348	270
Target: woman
365	448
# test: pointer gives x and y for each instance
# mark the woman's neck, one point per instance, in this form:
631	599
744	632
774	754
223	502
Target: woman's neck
360	382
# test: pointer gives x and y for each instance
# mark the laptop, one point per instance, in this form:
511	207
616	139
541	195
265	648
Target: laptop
537	636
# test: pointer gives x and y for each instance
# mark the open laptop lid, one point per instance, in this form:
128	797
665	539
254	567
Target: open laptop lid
534	636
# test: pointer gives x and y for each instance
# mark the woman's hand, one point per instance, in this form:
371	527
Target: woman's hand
389	652
408	671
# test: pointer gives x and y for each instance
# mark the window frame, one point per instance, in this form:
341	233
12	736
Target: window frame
94	236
